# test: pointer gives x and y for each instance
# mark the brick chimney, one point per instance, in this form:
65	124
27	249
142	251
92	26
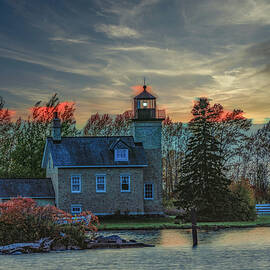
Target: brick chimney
56	129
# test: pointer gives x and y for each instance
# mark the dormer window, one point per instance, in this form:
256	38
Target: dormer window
121	154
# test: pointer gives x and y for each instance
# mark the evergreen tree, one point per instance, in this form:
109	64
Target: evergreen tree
203	185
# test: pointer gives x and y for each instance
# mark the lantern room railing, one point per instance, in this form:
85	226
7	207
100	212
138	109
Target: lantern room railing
147	114
161	114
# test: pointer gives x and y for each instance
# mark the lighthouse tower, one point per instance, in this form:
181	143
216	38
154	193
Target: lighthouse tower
147	129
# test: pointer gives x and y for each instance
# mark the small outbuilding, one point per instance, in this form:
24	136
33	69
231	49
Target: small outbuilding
39	189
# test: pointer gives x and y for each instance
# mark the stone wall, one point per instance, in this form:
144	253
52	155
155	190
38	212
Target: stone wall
53	174
102	203
149	132
153	174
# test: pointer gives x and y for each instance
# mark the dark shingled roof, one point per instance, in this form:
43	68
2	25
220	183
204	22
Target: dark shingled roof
144	95
92	151
26	187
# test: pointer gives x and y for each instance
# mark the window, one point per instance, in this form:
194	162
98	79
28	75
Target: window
125	183
75	183
101	183
76	209
121	154
148	191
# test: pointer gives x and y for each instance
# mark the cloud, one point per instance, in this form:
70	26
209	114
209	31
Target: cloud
136	48
117	31
57	63
230	12
70	40
93	53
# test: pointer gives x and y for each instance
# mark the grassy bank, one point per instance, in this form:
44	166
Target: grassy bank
152	223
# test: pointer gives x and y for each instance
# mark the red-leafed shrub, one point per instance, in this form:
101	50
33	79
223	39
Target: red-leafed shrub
22	220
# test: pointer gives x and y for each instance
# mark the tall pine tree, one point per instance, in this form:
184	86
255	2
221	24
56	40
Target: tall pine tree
203	185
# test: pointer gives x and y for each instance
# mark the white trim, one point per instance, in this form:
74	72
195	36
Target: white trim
7	198
136	213
121	182
80	183
152	191
51	159
76	206
103	214
101	166
125	158
132	213
146	213
50	162
43	157
104	190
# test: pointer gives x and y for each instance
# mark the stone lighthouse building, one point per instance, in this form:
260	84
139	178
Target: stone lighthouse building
147	129
111	174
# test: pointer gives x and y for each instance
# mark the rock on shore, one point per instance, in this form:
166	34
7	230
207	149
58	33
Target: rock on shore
46	245
114	241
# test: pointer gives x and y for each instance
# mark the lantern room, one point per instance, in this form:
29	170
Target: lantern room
144	105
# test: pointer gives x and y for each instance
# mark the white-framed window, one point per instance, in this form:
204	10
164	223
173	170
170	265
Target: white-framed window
125	183
76	184
76	209
121	154
101	183
148	191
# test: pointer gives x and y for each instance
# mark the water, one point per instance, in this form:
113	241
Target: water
227	249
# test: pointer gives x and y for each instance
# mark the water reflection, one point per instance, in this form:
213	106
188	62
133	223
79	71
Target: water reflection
174	238
238	249
235	237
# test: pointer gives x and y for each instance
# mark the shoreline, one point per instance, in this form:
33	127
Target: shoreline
113	241
114	224
45	245
184	227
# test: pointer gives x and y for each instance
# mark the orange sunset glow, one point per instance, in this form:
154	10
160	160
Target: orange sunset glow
207	48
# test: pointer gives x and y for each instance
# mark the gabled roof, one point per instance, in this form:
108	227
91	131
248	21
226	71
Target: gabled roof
144	95
26	187
92	152
119	144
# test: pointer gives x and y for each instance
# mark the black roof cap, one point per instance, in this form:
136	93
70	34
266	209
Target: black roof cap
144	94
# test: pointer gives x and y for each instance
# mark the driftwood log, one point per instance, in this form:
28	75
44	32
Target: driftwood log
43	245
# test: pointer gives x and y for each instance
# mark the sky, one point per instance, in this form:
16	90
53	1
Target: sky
93	53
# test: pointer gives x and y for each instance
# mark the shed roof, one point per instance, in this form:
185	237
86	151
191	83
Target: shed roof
92	152
26	187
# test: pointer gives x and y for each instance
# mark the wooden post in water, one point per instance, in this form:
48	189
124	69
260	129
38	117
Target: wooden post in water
194	227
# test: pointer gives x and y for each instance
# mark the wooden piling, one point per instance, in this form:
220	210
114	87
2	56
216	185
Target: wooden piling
194	227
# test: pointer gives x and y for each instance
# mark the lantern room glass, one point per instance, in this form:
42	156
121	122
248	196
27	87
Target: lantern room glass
145	104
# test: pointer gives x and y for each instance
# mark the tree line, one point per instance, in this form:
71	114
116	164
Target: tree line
238	155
